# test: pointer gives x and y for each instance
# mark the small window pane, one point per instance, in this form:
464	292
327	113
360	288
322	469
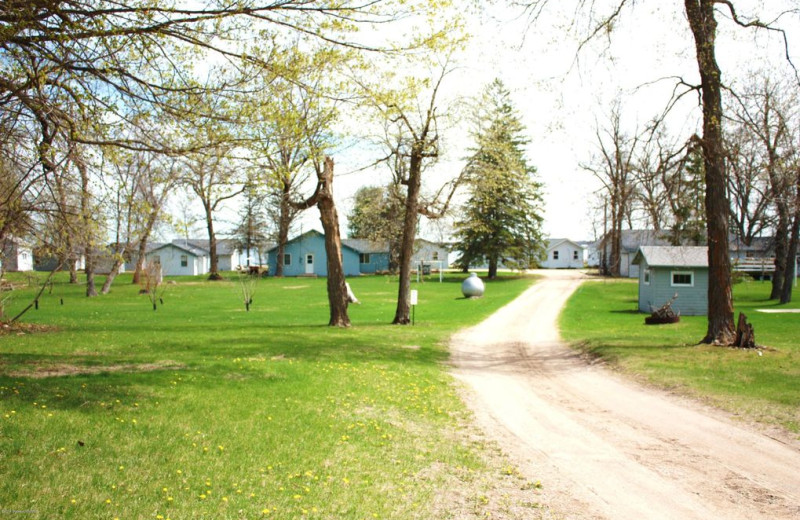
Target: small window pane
287	259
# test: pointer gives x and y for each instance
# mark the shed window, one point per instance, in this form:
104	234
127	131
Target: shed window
682	279
436	256
555	255
574	255
184	260
287	259
363	258
646	277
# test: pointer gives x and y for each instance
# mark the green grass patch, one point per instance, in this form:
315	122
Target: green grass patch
602	319
203	410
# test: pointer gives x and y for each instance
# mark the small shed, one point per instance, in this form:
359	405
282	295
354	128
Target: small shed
305	255
665	271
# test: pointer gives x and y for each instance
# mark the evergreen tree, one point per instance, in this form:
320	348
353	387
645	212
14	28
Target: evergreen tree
502	220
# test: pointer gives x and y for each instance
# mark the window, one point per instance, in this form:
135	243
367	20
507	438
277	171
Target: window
646	277
363	258
184	260
574	255
682	279
436	255
555	255
287	259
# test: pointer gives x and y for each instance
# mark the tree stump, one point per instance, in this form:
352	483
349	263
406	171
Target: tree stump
745	336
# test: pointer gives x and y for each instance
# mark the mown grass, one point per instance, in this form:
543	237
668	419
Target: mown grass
764	385
203	410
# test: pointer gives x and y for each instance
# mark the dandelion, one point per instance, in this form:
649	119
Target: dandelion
202	497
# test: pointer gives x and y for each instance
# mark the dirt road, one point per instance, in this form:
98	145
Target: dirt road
604	447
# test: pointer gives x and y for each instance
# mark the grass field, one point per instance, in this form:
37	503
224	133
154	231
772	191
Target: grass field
203	410
601	318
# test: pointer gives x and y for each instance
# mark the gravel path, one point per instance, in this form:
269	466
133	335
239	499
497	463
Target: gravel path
604	447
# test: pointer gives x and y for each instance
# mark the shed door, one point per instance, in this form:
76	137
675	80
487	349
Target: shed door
309	263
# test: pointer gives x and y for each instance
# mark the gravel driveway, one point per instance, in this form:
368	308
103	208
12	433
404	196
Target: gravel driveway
605	447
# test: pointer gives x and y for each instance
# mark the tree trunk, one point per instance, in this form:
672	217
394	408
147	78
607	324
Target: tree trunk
781	254
791	256
402	315
721	327
91	289
492	268
86	221
213	270
790	274
284	222
337	289
118	262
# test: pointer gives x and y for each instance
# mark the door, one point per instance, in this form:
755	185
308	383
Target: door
309	263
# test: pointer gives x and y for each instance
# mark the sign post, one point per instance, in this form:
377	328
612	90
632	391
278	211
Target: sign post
414	298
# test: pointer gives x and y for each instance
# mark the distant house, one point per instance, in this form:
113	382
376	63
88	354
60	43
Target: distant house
630	243
665	271
179	257
305	255
16	255
562	253
426	251
373	256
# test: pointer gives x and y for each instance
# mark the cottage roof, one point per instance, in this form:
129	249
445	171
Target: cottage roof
183	245
672	256
366	246
553	243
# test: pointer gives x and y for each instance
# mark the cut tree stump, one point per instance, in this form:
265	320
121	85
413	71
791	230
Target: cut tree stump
745	336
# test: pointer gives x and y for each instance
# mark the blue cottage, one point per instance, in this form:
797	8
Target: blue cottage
665	271
305	255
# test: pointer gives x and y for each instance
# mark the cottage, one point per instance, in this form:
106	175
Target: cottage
305	255
16	256
562	253
665	271
179	257
428	252
373	256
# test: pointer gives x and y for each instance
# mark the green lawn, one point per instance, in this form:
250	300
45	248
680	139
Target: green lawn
601	318
203	410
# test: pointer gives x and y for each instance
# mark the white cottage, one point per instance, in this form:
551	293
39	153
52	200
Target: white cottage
180	258
562	253
15	255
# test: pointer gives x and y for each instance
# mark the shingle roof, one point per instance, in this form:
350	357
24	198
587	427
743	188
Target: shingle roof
672	256
366	246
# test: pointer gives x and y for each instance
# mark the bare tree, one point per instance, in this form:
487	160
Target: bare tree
614	168
762	115
214	178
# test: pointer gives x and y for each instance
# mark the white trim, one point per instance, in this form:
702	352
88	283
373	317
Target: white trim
646	275
285	257
672	278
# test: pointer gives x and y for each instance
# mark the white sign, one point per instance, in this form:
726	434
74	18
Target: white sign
413	297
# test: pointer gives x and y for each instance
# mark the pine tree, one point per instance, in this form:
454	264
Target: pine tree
502	220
